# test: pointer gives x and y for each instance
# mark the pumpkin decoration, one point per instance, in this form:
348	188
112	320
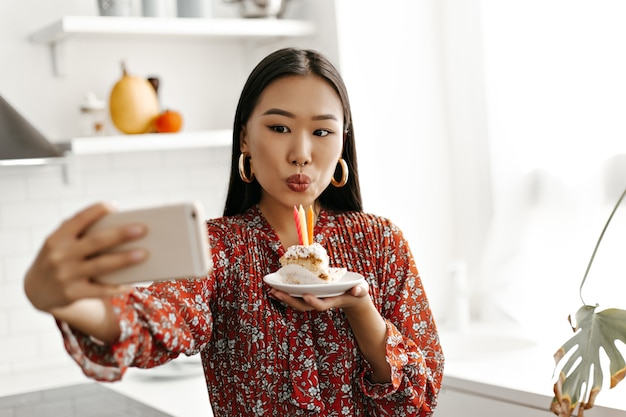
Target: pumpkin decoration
133	104
170	121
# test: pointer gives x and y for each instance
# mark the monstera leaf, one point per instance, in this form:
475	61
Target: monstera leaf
594	331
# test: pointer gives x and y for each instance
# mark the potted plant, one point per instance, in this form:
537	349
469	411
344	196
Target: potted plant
592	331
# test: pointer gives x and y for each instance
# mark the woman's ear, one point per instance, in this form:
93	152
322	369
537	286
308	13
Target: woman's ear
243	140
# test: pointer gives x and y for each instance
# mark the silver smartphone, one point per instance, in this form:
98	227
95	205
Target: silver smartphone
176	241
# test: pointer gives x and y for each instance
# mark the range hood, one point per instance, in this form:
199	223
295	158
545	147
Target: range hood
19	140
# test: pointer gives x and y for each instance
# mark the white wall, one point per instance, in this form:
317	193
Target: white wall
491	132
466	124
555	94
391	61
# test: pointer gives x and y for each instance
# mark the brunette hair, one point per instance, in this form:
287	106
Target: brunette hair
284	62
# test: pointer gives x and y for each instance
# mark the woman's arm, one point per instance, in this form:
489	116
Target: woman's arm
59	280
370	331
93	316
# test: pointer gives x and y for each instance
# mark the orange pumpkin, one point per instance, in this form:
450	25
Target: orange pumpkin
170	121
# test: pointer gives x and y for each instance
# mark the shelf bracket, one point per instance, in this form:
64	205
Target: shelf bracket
65	164
57	55
68	170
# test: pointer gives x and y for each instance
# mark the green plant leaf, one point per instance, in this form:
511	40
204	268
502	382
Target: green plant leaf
593	331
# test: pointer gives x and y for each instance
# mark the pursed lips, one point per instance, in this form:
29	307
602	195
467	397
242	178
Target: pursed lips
298	182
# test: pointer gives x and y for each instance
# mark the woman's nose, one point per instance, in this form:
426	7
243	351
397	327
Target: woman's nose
300	153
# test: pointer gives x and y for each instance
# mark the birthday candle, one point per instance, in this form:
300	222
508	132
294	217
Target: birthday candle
305	237
310	224
296	217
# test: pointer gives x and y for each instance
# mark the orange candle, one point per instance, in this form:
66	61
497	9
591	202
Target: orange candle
305	237
310	224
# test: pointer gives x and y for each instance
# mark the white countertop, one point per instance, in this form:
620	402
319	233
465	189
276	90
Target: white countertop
177	388
522	374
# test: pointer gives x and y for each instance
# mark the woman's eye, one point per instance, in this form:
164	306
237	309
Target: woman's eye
322	132
279	129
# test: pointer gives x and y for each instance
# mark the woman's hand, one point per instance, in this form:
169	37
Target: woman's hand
63	270
352	299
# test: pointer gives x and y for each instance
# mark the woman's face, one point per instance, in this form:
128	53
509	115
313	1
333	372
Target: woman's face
294	137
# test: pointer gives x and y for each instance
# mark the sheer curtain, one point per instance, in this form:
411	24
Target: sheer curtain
491	132
555	93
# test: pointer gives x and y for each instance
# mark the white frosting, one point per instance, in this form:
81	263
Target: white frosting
315	250
308	265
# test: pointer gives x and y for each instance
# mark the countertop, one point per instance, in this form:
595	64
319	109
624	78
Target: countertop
177	389
499	363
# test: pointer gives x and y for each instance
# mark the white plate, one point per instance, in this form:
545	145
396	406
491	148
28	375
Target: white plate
338	287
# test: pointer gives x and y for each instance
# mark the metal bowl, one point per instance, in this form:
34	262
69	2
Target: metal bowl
261	8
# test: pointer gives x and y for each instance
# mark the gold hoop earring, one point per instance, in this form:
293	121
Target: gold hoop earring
344	174
242	169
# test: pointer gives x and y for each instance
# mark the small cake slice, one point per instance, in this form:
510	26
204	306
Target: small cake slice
308	265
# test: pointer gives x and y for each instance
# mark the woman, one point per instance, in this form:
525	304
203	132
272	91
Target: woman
371	351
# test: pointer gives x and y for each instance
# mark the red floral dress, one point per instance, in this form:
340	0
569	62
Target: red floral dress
262	358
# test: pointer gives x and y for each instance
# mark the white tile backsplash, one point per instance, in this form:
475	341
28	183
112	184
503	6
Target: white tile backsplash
14	241
34	200
110	183
29	213
26	320
19	347
12	297
159	179
12	188
48	181
14	267
95	163
129	161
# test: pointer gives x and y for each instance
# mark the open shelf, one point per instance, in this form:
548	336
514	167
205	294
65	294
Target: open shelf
72	26
68	27
120	144
150	142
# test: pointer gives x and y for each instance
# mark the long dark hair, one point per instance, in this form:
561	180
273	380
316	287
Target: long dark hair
281	63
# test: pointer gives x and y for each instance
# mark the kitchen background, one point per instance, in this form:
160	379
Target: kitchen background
490	131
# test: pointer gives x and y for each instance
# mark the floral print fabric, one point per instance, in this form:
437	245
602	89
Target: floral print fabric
262	358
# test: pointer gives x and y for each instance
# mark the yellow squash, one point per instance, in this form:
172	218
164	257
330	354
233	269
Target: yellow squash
133	104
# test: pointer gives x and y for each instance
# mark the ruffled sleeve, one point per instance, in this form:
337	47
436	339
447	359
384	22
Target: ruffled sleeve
157	324
413	350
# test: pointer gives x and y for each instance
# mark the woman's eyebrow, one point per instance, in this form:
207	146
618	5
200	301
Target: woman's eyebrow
286	113
325	117
279	112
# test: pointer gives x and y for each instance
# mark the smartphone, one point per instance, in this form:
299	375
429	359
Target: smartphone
176	241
